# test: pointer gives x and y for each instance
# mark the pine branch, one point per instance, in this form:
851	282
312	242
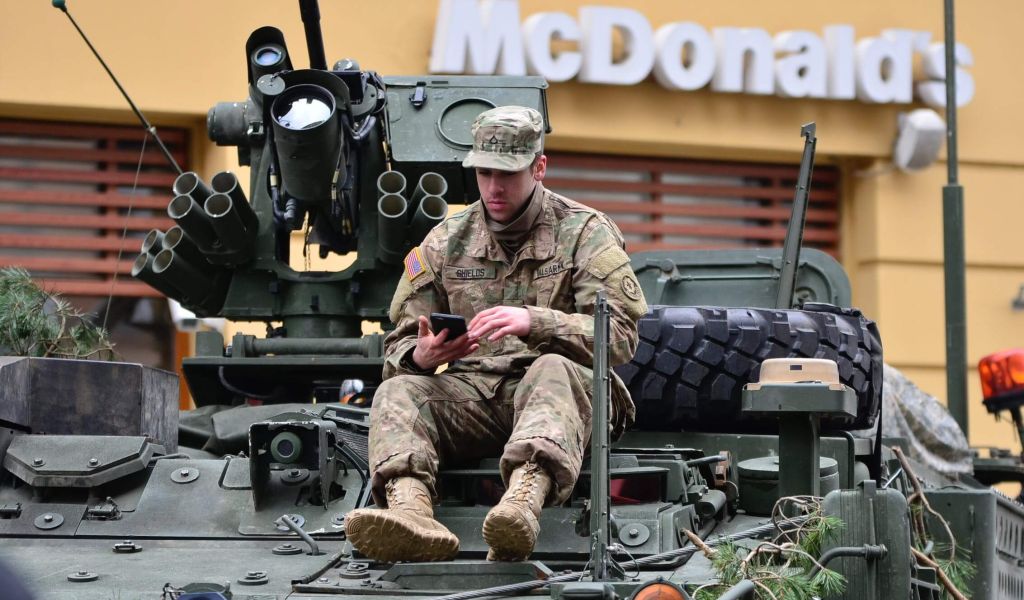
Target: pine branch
780	569
946	582
35	323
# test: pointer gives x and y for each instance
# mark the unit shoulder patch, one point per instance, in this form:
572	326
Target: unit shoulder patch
606	261
630	287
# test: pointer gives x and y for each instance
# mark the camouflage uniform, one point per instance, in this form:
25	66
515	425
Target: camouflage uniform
524	399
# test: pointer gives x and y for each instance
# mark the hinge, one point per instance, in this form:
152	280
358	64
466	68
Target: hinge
107	511
419	97
10	511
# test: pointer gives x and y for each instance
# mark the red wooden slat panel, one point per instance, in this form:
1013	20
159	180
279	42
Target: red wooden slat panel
632	247
112	221
125	178
67	242
70	265
61	198
704	210
49	129
726	204
125	286
97	160
729	191
128	157
822	175
738	232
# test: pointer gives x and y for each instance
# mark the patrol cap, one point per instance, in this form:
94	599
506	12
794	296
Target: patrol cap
506	138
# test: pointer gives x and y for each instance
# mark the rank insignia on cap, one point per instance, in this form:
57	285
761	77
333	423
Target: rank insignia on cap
414	264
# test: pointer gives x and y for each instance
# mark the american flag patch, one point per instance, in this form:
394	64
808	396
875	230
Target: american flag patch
414	264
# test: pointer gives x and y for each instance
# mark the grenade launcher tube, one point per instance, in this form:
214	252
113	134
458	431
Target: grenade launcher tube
392	226
196	286
226	219
177	240
142	269
430	212
153	242
189	215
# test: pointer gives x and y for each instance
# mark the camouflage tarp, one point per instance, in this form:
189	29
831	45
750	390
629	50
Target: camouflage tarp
932	437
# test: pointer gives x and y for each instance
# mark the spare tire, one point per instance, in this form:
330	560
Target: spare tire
692	362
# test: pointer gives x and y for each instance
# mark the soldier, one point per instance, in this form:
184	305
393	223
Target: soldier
523	265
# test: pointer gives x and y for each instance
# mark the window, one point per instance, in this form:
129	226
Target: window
65	194
662	204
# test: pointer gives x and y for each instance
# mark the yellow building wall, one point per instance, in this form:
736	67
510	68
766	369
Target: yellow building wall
178	59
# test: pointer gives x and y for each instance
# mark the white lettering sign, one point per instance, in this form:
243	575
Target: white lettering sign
485	37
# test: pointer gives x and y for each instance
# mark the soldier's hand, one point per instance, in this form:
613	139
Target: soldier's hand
499	321
433	351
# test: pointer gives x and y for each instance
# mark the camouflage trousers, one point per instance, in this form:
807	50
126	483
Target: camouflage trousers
456	418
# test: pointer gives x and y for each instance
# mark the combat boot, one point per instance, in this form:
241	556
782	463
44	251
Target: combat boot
405	530
511	527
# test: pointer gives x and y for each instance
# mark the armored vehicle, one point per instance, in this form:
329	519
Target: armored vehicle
757	466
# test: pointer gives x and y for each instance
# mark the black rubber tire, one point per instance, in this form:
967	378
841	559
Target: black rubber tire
692	362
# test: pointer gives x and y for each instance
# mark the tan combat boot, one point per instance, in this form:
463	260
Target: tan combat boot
511	527
405	530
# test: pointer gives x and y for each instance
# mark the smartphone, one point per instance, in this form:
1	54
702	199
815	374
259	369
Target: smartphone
455	324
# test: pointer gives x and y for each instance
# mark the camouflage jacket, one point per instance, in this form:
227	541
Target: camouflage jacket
572	252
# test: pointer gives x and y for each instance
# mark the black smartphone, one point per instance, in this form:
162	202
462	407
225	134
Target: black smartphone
455	324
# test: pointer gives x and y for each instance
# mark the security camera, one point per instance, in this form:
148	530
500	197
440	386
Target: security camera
919	139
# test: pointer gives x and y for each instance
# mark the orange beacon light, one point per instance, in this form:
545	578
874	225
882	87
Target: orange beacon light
1002	384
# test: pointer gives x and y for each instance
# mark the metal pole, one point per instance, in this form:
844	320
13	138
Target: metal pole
599	446
953	247
310	11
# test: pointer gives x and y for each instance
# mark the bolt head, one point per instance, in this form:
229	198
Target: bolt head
183	472
322	580
48	518
38	462
294	472
94	461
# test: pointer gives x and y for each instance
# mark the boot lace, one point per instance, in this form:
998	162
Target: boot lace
396	499
401	497
523	489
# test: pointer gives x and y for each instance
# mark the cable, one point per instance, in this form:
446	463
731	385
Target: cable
234	390
124	233
515	588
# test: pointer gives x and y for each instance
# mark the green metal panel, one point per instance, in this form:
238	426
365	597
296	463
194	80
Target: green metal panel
991	528
429	119
739	277
872	516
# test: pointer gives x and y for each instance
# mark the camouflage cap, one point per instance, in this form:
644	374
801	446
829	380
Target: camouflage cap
506	138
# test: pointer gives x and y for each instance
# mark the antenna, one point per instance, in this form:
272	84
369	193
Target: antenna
150	129
795	231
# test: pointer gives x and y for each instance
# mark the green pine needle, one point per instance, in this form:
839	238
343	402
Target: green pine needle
829	583
35	323
960	570
785	574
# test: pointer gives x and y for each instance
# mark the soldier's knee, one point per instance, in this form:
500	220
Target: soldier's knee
396	389
546	362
